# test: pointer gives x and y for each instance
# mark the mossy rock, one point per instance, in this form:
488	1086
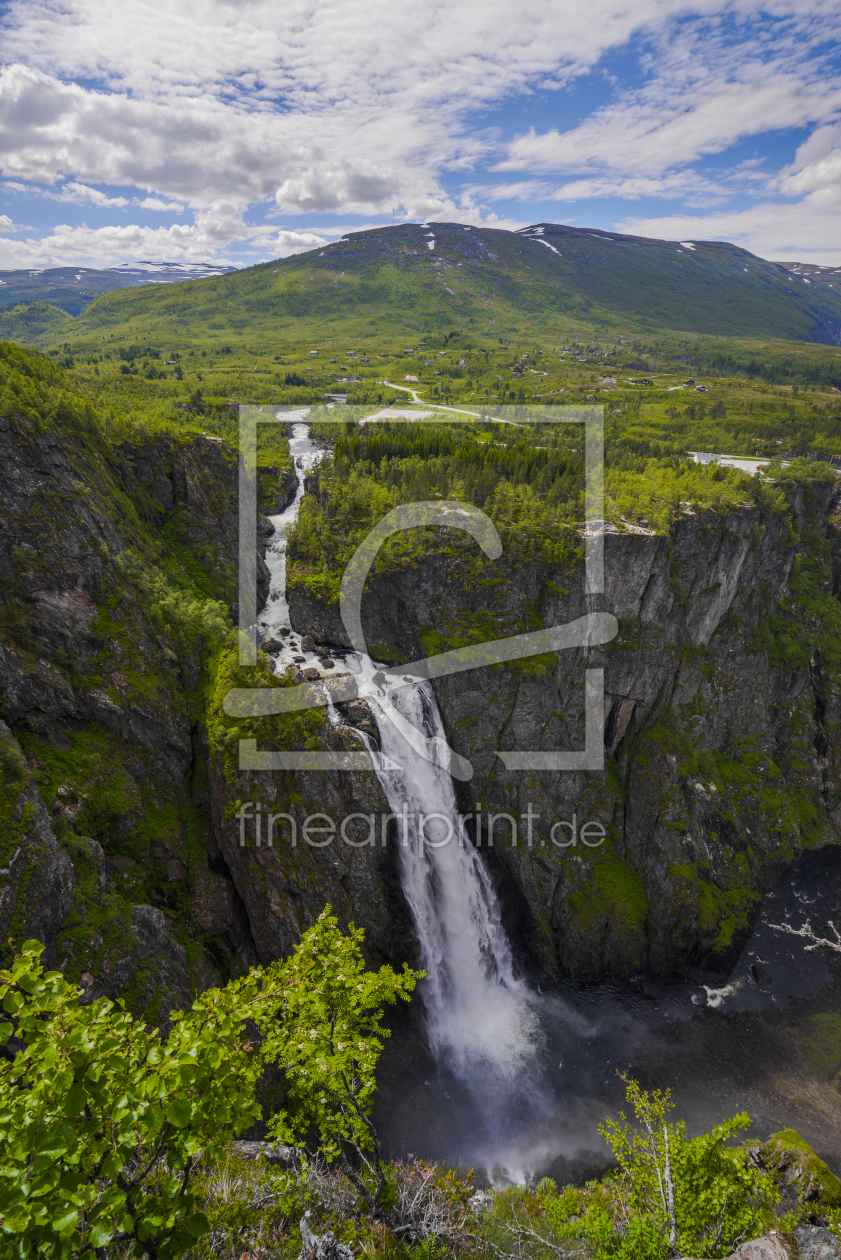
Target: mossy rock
787	1152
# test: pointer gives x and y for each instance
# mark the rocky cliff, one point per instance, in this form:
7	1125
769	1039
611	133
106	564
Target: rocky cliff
721	724
117	583
112	565
121	847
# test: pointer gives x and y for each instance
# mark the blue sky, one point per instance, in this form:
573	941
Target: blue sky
206	131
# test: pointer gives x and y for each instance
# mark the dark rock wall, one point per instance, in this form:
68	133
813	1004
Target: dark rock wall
112	860
120	773
721	720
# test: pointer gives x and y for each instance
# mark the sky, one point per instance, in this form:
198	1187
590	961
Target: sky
240	131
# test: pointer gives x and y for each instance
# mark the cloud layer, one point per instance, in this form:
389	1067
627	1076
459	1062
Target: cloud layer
225	115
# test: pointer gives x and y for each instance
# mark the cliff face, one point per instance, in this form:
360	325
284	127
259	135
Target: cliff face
121	780
108	853
721	726
285	885
119	771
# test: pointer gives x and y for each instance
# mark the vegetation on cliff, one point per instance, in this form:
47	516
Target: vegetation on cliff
114	1137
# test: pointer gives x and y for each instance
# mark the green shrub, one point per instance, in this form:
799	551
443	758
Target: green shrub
101	1124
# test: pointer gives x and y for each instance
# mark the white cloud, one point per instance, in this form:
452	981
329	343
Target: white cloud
686	185
807	231
82	195
358	106
6	224
315	55
808	228
155	203
672	122
206	239
283	243
817	164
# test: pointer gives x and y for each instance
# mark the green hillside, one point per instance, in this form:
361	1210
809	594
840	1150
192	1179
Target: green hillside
707	348
548	279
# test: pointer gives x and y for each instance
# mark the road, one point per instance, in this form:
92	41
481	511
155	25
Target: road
461	411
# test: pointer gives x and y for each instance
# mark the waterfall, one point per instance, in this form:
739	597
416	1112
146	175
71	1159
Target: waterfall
478	1011
273	621
481	1021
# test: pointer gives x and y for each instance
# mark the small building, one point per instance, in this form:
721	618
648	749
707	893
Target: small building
412	378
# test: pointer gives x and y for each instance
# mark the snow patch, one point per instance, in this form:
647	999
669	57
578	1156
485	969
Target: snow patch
172	270
686	244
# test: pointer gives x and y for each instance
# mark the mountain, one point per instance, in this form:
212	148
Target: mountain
701	286
545	280
74	288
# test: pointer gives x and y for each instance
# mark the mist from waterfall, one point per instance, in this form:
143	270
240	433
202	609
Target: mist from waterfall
482	1021
478	1012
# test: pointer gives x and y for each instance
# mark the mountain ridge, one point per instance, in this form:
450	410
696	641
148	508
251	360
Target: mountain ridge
59	286
545	279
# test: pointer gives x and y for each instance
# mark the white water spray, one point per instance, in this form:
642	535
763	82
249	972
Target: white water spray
479	1016
273	622
482	1024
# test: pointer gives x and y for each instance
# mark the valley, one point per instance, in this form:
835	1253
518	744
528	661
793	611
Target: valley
434	364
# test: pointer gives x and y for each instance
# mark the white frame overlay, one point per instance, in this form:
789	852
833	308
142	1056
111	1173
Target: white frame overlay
591	630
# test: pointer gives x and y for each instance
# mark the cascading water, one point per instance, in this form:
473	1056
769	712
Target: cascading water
481	1023
478	1014
273	622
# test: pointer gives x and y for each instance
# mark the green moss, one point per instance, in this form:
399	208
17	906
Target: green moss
789	1142
820	1040
299	730
721	916
15	777
613	894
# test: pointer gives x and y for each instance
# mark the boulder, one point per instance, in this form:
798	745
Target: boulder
771	1247
321	1246
816	1243
800	1175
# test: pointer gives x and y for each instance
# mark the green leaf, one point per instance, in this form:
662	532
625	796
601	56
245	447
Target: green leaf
15	1220
197	1224
101	1232
65	1222
75	1100
179	1111
12	1002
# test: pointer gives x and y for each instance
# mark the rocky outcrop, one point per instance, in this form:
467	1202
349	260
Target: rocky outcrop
37	879
48	891
111	856
193	487
721	712
816	1243
327	842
